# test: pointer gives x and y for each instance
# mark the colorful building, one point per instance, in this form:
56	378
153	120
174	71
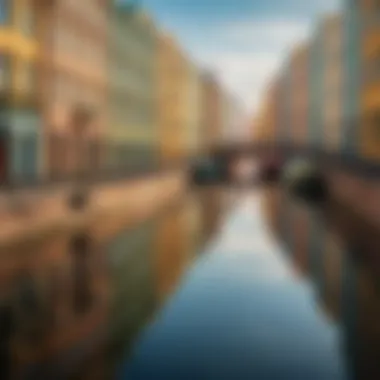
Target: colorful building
73	80
173	98
268	123
132	134
363	40
20	137
352	42
193	111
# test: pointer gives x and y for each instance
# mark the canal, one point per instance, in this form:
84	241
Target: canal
226	284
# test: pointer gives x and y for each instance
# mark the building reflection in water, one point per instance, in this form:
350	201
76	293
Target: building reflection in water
72	305
345	287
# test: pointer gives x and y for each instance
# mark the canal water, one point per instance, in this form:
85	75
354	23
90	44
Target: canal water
225	284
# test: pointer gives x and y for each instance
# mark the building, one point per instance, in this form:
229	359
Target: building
193	111
132	134
333	80
173	99
233	119
299	95
363	42
73	80
20	137
268	123
316	88
351	20
212	115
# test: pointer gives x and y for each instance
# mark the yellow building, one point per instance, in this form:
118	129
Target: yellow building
173	98
18	45
368	49
193	138
19	132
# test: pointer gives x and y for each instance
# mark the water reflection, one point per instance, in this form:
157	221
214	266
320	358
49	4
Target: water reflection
239	278
243	312
343	272
72	305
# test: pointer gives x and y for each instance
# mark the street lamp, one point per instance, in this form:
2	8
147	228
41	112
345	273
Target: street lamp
82	116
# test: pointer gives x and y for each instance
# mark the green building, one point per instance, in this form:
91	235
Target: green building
132	132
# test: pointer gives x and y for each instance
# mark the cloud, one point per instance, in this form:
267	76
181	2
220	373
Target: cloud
244	73
249	54
279	34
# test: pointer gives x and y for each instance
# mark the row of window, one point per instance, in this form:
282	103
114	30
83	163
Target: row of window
127	59
67	88
89	10
83	47
145	117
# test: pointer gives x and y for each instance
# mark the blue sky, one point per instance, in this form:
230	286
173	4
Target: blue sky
243	41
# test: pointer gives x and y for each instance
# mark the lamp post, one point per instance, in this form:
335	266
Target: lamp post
81	118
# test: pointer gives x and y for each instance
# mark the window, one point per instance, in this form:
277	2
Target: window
5	11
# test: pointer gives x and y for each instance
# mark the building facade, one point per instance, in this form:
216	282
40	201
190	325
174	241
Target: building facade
268	123
73	81
173	100
193	111
132	134
333	80
316	88
299	96
233	119
352	67
211	113
20	126
362	34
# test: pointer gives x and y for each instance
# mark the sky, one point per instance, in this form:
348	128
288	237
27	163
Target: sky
243	41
